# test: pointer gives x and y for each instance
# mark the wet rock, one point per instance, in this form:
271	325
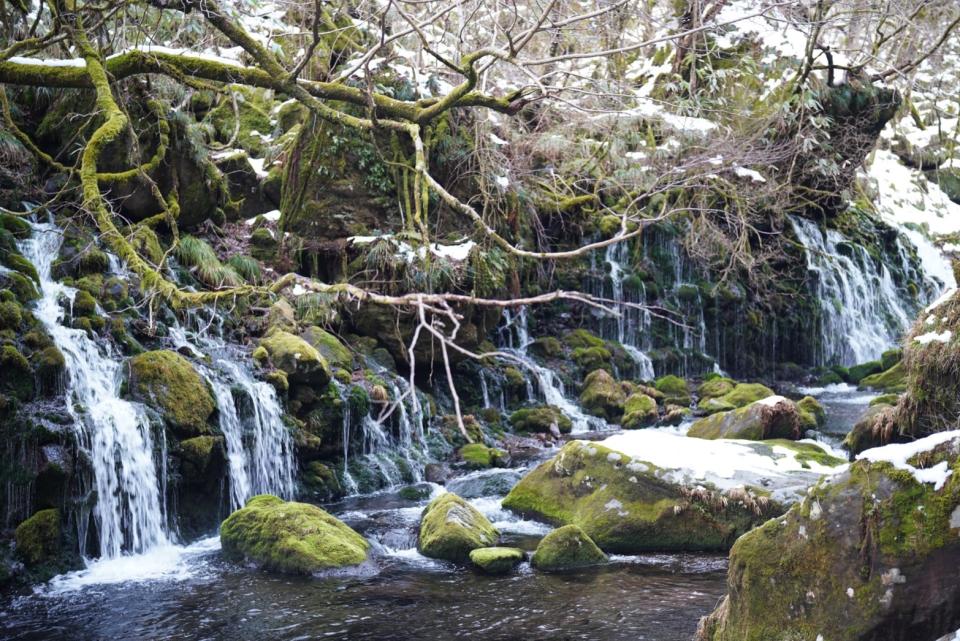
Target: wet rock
494	482
289	537
890	381
496	560
739	395
674	390
773	417
451	528
300	360
543	419
812	414
436	473
639	411
603	396
875	428
39	538
478	456
567	548
870	554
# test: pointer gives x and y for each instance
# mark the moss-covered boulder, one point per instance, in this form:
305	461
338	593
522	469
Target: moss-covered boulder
289	537
891	357
478	456
639	410
858	372
496	560
891	381
812	414
674	389
773	417
302	362
582	339
629	506
567	548
167	382
872	554
603	396
543	419
451	528
39	538
739	395
16	375
336	353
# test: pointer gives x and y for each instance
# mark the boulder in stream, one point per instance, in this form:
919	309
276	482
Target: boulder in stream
168	382
567	548
771	417
451	528
872	553
289	537
496	560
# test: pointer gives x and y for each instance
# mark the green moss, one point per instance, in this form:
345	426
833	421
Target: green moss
10	316
812	414
246	266
144	240
582	339
859	372
451	528
16	376
715	387
745	393
592	358
807	453
50	366
539	419
567	548
298	358
92	261
639	410
893	380
626	506
496	560
39	538
479	456
168	382
21	286
288	537
329	346
891	357
84	305
885	399
18	263
547	347
674	389
16	225
603	396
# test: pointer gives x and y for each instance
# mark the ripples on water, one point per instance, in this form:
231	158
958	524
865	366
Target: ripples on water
657	597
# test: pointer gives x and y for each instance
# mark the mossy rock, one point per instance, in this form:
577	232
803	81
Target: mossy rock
592	358
39	538
496	560
50	366
547	347
885	399
336	353
10	316
629	506
167	381
583	339
321	481
478	456
639	410
540	419
603	396
716	387
891	357
859	372
869	430
745	393
298	358
200	456
451	528
84	305
16	375
289	537
893	380
854	561
567	548
674	389
22	287
15	225
773	417
812	414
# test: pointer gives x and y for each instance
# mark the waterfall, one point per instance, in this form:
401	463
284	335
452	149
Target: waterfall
391	440
862	311
633	324
260	451
549	384
114	434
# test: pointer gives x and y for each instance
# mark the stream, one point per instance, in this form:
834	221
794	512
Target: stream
192	593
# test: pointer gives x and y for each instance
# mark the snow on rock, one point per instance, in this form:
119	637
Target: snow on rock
905	196
930	337
899	453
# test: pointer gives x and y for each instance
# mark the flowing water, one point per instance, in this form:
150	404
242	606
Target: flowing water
863	312
634	322
115	434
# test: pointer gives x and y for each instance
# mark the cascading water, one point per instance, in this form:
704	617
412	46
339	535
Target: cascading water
633	324
862	311
259	448
115	434
549	384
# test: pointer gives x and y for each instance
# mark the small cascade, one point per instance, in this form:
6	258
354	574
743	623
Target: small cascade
549	384
114	433
259	448
862	311
633	324
391	437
